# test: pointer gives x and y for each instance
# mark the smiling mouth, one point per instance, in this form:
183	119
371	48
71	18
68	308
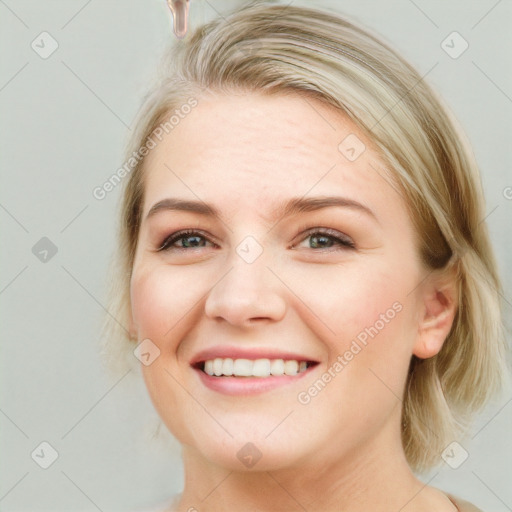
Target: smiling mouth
261	368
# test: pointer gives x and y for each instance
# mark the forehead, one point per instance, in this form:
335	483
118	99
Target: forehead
253	150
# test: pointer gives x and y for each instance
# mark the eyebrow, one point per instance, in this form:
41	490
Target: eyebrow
293	206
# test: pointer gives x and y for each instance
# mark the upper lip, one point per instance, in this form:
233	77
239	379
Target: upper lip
247	353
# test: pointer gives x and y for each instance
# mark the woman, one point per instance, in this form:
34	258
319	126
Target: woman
304	270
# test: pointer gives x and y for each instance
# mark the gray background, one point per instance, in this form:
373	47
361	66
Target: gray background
63	124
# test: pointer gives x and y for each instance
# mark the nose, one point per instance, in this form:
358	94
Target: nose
247	293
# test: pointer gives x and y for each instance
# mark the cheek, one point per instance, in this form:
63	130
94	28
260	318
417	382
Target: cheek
162	301
163	308
369	350
364	314
348	299
149	299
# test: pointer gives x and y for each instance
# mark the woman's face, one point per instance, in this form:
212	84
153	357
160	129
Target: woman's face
301	250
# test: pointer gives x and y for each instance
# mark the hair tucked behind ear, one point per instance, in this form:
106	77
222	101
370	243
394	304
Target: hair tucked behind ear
444	391
278	49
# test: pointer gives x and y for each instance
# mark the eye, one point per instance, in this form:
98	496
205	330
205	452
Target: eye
326	238
189	239
320	238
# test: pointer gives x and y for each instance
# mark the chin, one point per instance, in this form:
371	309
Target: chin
244	452
252	456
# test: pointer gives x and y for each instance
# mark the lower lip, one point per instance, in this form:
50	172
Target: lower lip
249	385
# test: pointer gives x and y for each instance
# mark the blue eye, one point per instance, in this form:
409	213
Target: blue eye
191	240
327	238
319	239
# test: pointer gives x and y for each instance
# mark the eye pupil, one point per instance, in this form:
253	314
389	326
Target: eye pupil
323	240
196	243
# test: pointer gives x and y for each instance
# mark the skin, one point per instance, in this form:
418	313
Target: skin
247	154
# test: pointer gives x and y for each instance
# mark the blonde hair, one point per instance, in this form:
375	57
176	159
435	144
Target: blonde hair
272	48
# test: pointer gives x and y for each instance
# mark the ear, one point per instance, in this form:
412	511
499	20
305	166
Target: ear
439	302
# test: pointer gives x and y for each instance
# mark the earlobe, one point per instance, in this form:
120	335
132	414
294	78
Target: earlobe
440	305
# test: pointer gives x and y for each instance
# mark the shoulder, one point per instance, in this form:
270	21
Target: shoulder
463	506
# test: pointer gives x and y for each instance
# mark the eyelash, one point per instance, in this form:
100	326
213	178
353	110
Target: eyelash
344	241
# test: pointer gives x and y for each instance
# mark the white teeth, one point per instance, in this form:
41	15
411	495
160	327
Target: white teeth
261	368
291	367
227	367
253	368
208	367
277	367
242	367
217	366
